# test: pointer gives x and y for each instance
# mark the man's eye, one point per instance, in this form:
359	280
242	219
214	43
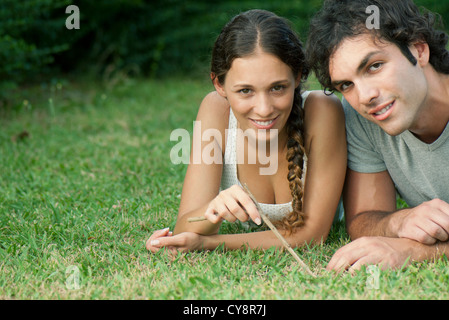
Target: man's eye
376	66
344	86
278	88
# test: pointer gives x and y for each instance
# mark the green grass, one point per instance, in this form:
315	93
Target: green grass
91	180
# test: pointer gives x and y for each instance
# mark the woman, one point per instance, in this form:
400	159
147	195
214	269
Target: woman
257	109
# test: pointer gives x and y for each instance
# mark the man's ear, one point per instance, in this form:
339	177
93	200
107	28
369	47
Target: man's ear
422	52
218	86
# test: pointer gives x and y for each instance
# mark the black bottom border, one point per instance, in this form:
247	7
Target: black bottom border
213	309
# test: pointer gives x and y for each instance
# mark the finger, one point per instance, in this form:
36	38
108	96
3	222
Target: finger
416	233
174	244
221	210
250	208
160	233
153	245
441	221
435	232
338	264
234	207
148	245
364	261
439	204
155	235
437	222
339	261
161	242
421	235
347	255
211	214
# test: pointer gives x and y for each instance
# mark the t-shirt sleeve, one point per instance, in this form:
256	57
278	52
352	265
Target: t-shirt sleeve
361	137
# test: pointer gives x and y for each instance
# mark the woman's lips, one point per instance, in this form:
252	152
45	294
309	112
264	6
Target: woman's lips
264	124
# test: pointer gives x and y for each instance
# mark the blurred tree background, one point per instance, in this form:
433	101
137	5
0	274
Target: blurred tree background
153	38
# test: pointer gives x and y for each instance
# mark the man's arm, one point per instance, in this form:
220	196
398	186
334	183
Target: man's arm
369	200
370	207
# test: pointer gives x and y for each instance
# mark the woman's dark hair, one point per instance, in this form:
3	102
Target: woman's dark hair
401	23
241	37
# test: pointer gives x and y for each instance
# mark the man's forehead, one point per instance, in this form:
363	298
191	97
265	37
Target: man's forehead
364	40
351	51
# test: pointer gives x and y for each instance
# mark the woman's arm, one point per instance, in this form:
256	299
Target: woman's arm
202	181
326	148
191	241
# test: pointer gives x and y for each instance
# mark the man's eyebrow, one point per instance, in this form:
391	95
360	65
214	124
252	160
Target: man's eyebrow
361	66
365	60
335	84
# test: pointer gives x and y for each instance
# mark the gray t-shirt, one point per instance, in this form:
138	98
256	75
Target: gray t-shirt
420	171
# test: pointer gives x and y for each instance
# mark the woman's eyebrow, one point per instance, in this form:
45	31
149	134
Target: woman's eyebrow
275	83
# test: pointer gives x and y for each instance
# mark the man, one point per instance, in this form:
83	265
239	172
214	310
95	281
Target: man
395	82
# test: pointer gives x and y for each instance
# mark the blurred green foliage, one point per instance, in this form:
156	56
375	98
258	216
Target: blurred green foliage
28	39
135	37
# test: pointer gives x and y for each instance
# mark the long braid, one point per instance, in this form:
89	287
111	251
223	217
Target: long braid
295	158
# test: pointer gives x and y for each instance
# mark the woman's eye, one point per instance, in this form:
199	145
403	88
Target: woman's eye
245	91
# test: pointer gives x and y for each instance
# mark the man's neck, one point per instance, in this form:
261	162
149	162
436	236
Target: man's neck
433	119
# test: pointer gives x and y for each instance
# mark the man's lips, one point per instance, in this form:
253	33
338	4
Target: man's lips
383	111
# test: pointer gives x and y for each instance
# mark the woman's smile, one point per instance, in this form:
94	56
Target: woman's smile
264	124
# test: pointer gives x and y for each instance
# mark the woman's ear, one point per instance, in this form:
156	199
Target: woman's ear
218	86
298	80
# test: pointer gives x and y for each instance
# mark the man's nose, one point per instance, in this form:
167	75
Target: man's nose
368	93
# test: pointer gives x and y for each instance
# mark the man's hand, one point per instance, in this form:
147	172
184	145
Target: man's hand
386	252
426	223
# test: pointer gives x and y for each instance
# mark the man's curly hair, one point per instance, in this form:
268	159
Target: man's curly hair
401	23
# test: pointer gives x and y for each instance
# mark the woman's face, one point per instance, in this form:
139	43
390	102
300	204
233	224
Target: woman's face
260	90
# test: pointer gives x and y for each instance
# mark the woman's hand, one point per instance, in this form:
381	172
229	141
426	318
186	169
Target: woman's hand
183	242
232	204
150	245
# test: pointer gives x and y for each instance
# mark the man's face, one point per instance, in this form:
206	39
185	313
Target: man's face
379	82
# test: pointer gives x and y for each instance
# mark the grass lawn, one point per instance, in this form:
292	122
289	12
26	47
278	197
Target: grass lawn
86	176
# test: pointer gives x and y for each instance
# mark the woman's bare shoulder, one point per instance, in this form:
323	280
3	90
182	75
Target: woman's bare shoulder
318	98
214	114
323	115
214	106
320	107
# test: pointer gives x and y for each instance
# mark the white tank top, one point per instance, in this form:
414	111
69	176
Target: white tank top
274	212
